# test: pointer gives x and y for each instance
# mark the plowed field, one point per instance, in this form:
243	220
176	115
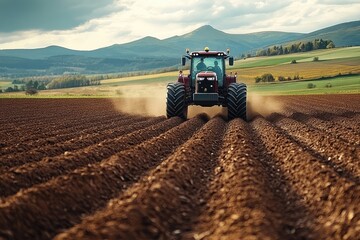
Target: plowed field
79	169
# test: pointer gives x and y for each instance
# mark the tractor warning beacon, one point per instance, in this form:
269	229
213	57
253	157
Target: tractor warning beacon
207	85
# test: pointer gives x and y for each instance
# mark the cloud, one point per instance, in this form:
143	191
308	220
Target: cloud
298	16
337	2
84	26
17	15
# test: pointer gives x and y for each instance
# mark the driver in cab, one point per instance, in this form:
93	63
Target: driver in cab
201	65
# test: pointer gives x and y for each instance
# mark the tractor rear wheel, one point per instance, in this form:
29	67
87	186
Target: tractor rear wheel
236	101
175	101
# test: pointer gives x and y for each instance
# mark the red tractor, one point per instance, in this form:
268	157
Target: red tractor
207	85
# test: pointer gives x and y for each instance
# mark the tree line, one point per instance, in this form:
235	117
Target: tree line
268	77
32	85
71	81
75	80
296	47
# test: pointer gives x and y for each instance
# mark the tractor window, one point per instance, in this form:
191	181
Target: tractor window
208	63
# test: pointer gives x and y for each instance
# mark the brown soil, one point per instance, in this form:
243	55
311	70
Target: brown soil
78	169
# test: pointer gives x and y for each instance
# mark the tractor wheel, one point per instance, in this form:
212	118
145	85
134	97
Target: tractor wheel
175	101
236	101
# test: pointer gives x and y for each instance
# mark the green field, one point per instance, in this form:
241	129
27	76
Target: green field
149	80
332	62
344	85
5	83
327	54
265	61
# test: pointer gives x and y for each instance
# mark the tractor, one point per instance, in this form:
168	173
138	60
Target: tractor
207	85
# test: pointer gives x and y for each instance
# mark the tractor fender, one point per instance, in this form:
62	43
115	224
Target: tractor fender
185	80
229	80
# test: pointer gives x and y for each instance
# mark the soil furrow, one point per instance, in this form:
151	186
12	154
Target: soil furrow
332	200
52	114
351	124
246	197
37	154
60	203
349	101
335	130
163	201
45	129
315	104
348	133
342	156
34	173
106	127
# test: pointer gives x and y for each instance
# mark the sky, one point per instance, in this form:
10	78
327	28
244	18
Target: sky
90	24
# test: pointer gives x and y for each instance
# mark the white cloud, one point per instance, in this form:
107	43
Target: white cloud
162	19
337	2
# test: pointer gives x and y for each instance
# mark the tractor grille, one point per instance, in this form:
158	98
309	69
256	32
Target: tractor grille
206	97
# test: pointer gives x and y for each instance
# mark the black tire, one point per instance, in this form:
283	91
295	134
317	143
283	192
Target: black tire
236	101
175	101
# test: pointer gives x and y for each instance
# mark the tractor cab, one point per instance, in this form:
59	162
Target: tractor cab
202	66
205	62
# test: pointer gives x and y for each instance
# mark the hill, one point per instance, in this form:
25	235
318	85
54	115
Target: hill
150	53
343	35
39	53
238	43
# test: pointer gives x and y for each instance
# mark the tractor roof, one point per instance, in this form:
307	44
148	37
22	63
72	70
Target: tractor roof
212	53
206	52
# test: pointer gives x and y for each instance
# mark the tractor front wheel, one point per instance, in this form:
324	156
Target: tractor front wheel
236	101
175	101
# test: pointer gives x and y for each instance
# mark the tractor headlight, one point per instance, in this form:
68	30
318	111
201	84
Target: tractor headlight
201	78
211	78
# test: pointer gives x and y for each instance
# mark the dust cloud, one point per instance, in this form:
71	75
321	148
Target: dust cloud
257	105
262	105
152	102
210	111
148	103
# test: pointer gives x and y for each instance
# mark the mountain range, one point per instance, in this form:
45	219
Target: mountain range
151	53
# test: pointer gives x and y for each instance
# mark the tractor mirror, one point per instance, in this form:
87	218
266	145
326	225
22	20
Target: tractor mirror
183	61
231	61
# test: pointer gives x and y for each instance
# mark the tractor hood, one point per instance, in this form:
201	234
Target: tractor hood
206	74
